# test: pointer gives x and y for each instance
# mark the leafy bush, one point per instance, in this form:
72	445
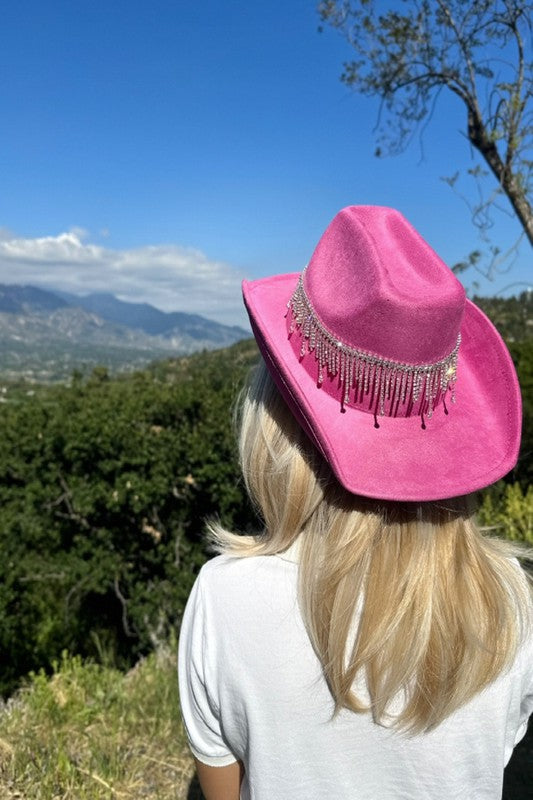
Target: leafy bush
513	316
508	510
104	487
522	353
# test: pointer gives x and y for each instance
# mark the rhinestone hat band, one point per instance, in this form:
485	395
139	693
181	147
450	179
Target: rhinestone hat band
385	383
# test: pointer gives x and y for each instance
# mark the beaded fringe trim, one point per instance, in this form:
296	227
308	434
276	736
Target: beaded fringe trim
387	383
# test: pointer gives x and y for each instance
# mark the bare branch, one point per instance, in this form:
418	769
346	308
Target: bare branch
124	604
513	286
462	44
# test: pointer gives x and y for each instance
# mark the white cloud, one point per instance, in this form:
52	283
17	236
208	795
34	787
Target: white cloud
170	277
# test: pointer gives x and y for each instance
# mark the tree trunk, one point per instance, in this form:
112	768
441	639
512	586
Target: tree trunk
477	135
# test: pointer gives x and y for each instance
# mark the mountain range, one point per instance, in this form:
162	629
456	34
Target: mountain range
44	334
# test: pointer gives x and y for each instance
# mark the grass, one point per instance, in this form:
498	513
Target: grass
89	732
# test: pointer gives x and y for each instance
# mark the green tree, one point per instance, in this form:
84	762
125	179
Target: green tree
104	489
407	55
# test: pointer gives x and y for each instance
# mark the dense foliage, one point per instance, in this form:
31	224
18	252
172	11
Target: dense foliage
104	487
513	316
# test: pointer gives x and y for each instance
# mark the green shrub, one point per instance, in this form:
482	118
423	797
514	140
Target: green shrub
508	510
104	487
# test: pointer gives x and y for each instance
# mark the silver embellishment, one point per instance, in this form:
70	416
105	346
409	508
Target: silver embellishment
387	383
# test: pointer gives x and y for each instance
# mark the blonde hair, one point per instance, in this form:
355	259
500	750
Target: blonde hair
440	608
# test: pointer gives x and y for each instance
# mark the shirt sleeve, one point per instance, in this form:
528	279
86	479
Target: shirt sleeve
198	700
526	706
526	659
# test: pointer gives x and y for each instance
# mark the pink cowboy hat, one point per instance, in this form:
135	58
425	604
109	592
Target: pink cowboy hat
403	385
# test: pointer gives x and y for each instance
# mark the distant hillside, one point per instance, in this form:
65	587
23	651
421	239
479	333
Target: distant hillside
45	335
28	299
151	320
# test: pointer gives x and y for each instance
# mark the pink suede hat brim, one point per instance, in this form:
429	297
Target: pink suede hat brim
469	448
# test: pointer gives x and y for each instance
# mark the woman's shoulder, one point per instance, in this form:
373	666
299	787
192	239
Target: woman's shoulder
225	581
227	567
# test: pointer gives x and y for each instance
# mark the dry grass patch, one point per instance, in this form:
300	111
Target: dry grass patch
89	732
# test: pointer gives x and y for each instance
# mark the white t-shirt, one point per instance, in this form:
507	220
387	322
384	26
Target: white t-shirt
251	689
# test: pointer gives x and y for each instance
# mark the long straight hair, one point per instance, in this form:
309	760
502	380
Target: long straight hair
410	597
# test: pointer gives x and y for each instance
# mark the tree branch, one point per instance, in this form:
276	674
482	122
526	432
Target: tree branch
466	53
404	58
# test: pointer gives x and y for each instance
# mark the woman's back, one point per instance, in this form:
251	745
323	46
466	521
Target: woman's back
252	688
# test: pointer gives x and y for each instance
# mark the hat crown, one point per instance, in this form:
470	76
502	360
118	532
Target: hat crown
379	287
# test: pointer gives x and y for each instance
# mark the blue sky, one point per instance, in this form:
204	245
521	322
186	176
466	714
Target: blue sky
165	150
